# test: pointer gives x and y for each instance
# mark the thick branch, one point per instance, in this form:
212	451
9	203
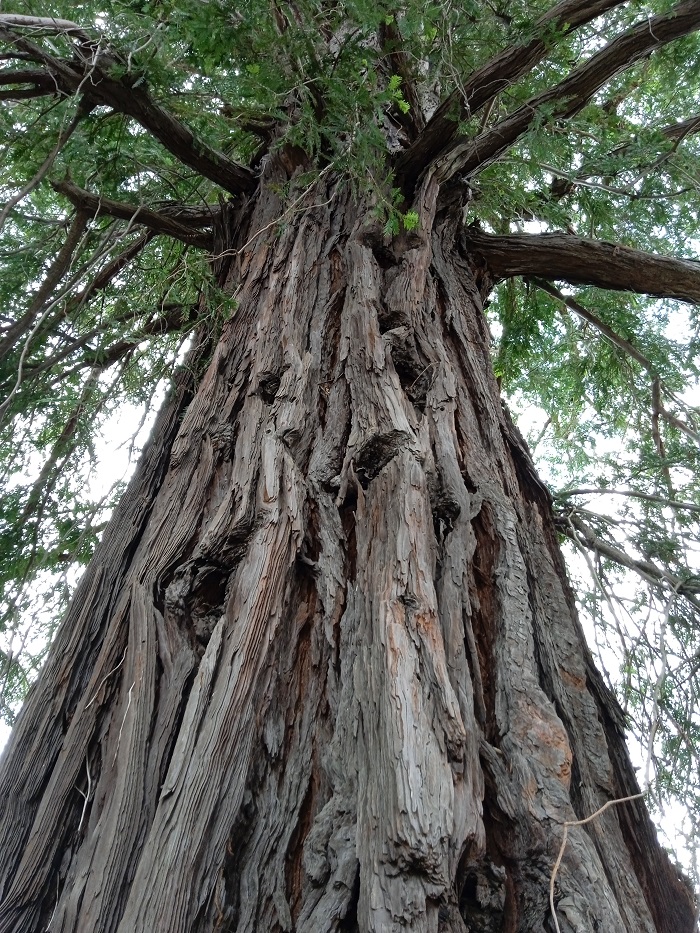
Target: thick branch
40	83
89	75
571	95
189	214
489	80
159	223
44	24
683	128
586	262
24	93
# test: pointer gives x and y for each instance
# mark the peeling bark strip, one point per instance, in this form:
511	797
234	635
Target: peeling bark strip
330	676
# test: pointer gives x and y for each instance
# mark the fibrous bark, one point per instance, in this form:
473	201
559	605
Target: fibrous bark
587	262
329	675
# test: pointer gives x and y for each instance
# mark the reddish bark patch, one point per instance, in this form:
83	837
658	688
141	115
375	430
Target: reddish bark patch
484	600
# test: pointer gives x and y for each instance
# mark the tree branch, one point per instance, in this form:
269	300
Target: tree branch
573	527
44	24
89	74
659	411
114	267
391	43
41	83
175	318
159	223
564	182
58	269
569	96
489	80
632	494
683	128
586	262
45	167
599	324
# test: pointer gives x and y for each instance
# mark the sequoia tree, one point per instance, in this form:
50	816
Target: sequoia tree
324	671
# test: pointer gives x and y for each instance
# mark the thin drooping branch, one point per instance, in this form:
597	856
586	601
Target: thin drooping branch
110	270
630	494
679	425
598	323
564	182
58	269
100	206
586	262
490	79
74	302
565	99
46	165
173	318
659	411
62	449
95	62
573	527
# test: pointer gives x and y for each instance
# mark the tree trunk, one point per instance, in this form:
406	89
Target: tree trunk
325	672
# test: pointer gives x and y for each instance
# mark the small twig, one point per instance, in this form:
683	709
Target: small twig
659	684
55	906
631	493
121	728
105	678
567	824
603	589
540	436
86	795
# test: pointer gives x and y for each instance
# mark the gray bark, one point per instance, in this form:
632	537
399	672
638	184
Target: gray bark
325	672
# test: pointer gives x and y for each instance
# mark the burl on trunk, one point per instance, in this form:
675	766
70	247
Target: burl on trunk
325	672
